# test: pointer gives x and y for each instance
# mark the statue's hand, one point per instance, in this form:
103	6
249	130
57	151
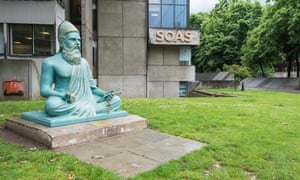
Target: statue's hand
69	98
110	94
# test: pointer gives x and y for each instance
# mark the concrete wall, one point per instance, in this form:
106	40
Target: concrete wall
171	73
216	84
122	46
24	70
60	16
165	73
28	12
163	89
32	12
163	55
87	30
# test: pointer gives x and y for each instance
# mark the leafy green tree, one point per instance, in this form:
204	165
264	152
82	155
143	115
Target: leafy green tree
224	32
196	22
259	52
276	39
283	19
240	72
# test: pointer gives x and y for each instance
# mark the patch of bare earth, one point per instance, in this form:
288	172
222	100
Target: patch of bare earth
216	165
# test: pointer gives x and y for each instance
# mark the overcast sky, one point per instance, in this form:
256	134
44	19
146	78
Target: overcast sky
204	5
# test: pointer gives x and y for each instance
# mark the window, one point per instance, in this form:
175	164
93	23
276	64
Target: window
28	39
183	89
168	13
185	55
154	16
43	40
21	39
1	40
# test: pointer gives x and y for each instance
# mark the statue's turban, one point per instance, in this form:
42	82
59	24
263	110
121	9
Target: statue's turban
64	28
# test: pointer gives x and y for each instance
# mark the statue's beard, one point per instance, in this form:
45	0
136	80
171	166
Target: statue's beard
72	55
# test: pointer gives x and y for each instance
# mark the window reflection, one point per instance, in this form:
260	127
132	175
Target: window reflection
183	89
168	13
168	16
43	40
154	16
29	39
154	1
167	1
184	2
21	36
181	16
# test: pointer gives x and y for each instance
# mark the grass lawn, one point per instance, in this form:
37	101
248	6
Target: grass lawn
253	136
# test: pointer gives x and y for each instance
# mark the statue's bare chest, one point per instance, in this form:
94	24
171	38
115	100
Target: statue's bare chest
63	70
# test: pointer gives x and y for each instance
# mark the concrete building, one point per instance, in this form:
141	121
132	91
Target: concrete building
139	47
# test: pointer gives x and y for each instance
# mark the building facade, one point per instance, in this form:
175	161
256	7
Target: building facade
138	47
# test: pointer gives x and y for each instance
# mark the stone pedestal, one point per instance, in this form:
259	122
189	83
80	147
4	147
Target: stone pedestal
41	117
55	137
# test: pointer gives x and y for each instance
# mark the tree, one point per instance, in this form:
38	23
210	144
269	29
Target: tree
224	32
196	22
259	52
276	39
239	72
284	24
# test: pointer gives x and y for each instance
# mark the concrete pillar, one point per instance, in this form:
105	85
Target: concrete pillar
122	39
87	30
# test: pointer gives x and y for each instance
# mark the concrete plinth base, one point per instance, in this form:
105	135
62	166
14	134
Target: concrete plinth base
55	137
42	118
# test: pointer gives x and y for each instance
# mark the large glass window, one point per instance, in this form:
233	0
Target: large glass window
28	39
167	16
168	13
154	16
43	40
1	40
181	16
21	39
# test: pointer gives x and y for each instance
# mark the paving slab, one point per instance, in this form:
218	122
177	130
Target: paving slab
130	154
167	149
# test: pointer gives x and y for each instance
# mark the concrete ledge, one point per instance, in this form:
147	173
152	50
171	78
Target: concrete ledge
55	137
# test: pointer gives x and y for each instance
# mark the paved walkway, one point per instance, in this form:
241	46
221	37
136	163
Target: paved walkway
123	145
128	155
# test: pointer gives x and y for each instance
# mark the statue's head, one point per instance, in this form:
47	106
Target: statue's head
69	42
63	29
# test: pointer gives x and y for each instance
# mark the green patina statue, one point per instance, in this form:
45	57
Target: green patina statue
74	91
68	85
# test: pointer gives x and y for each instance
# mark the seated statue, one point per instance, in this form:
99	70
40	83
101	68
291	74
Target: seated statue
67	82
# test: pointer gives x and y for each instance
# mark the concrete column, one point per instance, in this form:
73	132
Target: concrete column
122	49
87	30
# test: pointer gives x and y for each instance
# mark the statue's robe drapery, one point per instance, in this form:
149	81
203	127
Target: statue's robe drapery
79	100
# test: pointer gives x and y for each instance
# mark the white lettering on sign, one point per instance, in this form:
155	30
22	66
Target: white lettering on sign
188	37
173	36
